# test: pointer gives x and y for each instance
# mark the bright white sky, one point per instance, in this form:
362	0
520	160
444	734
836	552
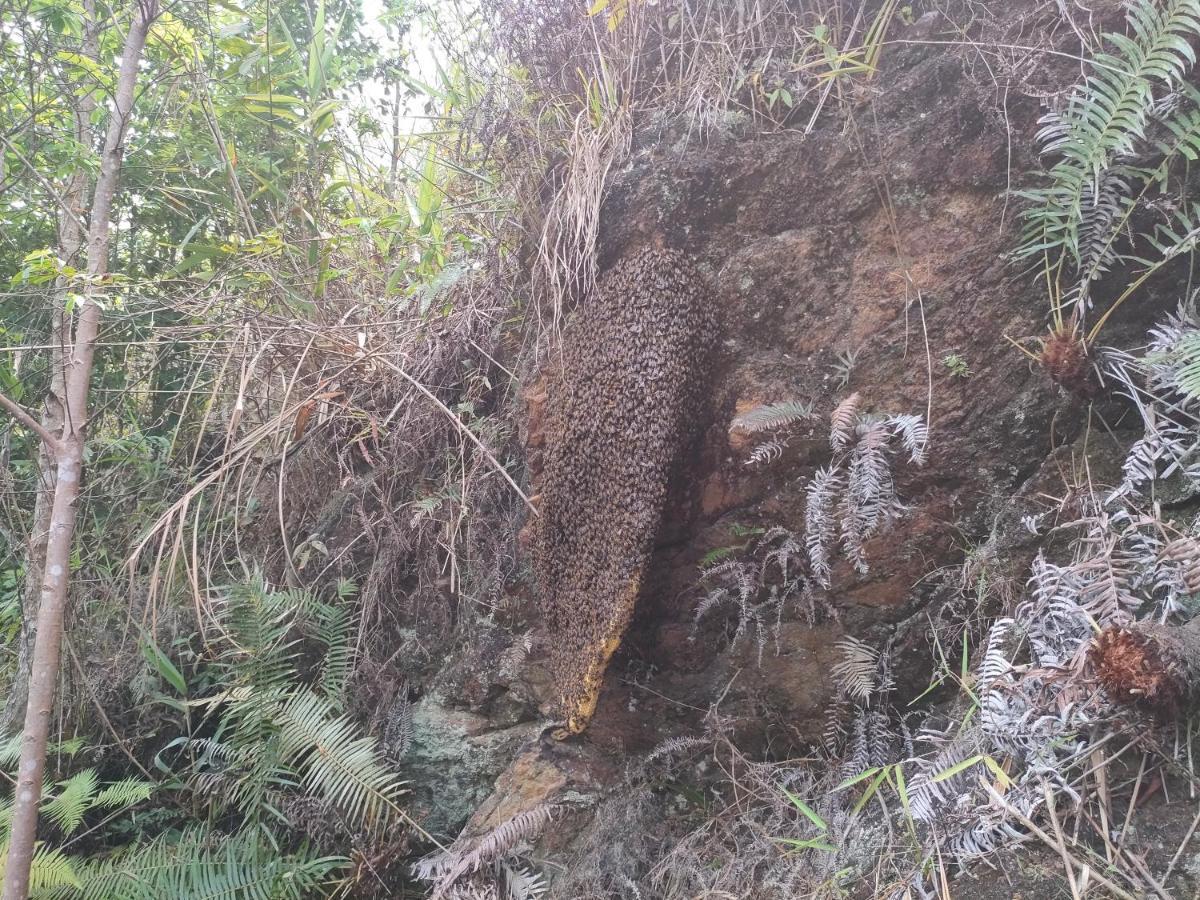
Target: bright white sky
421	66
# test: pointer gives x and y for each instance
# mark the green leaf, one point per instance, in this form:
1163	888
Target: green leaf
86	63
808	811
715	554
902	789
957	768
394	280
870	791
124	794
855	779
998	771
163	665
272	99
76	796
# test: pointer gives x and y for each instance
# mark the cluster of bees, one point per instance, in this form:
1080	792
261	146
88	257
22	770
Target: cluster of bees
634	359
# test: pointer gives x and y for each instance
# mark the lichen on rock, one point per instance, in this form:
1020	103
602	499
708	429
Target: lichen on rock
621	410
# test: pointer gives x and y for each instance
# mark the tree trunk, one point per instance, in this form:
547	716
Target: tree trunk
1148	665
70	251
68	455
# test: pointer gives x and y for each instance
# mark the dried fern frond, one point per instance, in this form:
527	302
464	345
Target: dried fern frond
676	745
1185	554
449	866
914	435
854	674
512	658
820	526
765	453
779	546
773	415
522	883
994	665
870	496
842	421
398	729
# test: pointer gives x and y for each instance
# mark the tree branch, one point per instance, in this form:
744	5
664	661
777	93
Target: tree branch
58	197
22	415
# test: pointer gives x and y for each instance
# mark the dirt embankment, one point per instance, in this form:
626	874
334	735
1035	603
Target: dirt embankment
867	257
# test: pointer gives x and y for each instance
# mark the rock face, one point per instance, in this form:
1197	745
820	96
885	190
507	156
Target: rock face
452	761
622	410
869	257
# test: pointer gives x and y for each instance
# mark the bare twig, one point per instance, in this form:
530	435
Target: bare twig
22	415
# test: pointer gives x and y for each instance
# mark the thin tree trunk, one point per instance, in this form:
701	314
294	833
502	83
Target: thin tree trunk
70	251
68	453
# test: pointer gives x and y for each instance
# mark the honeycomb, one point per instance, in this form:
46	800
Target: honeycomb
619	416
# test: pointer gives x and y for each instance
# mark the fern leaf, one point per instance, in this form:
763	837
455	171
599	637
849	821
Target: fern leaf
820	526
336	761
1103	122
521	883
773	415
51	872
842	422
995	664
334	632
74	798
870	496
765	453
202	867
398	730
676	745
854	673
913	434
450	865
124	794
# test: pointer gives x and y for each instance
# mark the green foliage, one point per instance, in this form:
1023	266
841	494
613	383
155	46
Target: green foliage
199	864
1185	358
1104	122
65	806
52	874
1114	142
956	365
10	603
336	761
279	733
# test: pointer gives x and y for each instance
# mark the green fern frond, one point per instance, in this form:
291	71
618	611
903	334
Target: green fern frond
336	761
246	775
51	873
74	798
198	866
334	631
1104	122
10	750
1179	234
1184	360
124	794
1184	126
258	625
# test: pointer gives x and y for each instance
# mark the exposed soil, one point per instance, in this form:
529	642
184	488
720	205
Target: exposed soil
881	238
